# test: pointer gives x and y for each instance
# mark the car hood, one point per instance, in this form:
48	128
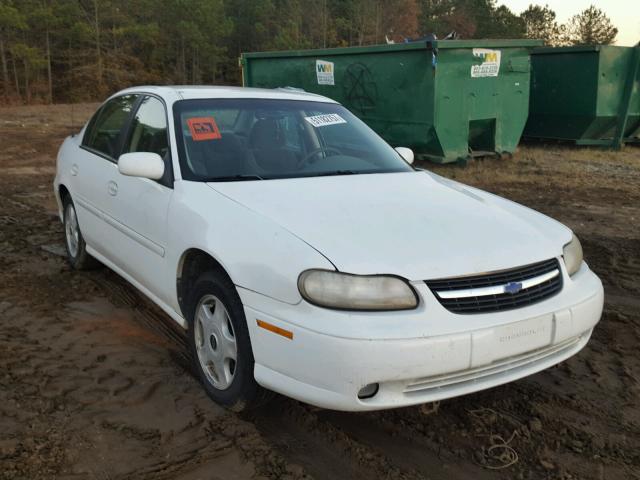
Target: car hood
414	224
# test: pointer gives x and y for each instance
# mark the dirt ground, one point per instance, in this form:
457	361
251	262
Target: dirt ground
95	382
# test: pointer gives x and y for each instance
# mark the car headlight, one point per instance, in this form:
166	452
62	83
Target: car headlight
572	254
356	292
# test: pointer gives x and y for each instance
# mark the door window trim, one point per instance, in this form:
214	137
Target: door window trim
125	133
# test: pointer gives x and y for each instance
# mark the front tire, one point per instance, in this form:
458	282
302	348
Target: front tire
74	241
219	343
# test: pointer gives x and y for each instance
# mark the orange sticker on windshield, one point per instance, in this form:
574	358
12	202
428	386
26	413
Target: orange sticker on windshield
203	128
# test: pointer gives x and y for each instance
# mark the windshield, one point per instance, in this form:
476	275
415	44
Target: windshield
257	139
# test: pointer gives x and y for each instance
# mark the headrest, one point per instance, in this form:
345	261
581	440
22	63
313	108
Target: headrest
266	134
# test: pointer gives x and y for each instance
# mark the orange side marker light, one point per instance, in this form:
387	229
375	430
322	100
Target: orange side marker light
274	329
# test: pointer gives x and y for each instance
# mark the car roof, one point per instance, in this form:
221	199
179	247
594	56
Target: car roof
209	91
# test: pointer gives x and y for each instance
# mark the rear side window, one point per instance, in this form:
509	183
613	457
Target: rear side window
104	130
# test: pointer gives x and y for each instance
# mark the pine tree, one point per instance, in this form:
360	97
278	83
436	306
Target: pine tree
540	23
591	27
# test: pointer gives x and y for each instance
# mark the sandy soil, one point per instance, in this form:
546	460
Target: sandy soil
95	382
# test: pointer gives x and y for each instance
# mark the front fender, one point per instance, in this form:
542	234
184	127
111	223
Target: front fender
257	253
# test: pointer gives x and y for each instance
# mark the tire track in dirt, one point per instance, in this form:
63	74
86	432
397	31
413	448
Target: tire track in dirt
407	448
147	314
326	452
361	446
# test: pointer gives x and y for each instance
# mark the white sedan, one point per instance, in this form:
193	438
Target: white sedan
306	256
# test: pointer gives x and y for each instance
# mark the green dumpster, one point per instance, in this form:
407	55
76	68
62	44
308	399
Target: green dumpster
586	94
446	99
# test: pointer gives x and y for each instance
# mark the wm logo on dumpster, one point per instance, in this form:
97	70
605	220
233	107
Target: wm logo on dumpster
324	72
490	66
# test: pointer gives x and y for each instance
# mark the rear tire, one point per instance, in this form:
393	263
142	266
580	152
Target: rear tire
74	243
219	343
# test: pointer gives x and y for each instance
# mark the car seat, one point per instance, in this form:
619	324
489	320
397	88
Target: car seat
219	157
267	145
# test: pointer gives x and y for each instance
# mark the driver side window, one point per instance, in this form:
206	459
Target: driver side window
149	129
148	133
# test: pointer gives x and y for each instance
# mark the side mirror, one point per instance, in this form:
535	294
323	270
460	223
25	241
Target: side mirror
141	164
405	153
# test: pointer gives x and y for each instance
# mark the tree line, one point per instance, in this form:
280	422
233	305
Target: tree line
79	50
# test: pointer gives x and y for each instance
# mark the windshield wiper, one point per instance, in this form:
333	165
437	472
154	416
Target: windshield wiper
337	172
233	178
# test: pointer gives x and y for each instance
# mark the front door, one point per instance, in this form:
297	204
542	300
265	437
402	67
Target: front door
140	205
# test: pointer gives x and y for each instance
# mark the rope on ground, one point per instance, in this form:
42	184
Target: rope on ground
430	408
499	454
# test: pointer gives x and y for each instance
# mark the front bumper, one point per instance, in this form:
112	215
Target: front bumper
425	355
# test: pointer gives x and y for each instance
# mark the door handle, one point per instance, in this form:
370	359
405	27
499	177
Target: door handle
74	169
112	187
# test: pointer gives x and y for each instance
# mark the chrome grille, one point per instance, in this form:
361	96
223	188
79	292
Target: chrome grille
497	291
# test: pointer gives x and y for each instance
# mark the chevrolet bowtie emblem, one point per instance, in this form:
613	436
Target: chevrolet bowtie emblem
512	287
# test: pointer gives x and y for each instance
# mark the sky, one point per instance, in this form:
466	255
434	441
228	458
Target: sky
624	14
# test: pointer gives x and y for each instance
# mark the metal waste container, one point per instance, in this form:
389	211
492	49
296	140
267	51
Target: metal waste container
586	94
448	100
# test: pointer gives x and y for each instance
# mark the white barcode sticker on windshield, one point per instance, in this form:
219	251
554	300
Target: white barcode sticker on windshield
324	120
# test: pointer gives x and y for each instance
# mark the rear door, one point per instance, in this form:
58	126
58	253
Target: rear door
141	205
94	168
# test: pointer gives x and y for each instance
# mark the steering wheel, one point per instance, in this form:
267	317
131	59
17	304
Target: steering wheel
315	152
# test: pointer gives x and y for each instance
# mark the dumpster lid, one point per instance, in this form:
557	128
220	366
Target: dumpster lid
394	47
572	49
488	43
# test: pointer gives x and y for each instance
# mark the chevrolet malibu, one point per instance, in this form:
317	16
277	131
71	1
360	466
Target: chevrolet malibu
304	255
